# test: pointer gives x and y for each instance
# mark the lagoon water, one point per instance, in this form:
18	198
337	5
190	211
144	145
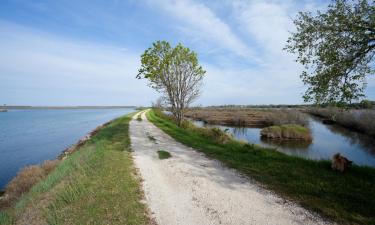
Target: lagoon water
31	136
327	140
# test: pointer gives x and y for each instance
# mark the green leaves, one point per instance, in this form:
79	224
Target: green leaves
337	48
174	72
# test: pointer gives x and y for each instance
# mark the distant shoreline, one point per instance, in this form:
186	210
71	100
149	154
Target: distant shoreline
66	107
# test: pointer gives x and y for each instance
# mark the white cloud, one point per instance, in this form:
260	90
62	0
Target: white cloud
39	68
201	23
44	68
266	22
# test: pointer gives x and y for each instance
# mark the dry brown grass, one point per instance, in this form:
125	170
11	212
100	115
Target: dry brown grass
49	165
360	120
237	117
287	132
248	117
282	117
25	180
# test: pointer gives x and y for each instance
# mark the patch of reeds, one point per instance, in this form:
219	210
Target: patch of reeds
282	117
248	117
287	132
359	120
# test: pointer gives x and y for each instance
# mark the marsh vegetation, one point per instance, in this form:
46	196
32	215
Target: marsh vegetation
359	120
345	198
247	117
287	132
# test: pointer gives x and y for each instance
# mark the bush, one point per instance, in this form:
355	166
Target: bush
219	135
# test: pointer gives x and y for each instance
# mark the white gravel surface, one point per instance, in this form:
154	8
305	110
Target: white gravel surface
189	188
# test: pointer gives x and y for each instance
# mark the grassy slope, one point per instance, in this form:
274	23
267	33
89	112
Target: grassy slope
95	185
347	198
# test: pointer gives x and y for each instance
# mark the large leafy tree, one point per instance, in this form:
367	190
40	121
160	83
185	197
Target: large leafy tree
337	49
174	72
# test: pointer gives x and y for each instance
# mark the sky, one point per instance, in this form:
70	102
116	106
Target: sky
72	52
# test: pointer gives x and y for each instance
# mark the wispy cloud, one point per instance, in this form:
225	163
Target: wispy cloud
39	68
200	22
85	52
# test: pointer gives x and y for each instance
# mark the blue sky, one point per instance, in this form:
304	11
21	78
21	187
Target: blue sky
87	52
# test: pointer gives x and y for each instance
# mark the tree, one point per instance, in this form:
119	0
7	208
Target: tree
337	49
174	72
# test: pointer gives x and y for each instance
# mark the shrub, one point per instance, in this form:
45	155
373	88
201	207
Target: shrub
219	135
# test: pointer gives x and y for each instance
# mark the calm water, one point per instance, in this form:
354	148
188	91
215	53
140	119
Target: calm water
327	140
32	136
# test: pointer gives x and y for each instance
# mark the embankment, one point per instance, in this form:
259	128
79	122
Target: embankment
96	181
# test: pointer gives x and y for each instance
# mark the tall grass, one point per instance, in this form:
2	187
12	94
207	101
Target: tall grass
277	117
346	198
287	132
248	117
359	120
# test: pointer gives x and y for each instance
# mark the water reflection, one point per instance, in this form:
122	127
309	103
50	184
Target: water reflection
327	140
291	144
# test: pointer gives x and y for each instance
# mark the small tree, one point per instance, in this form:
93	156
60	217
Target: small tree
174	72
337	48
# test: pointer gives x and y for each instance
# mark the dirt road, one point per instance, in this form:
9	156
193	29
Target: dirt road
189	188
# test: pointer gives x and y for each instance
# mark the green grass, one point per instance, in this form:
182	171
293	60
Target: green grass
95	185
347	198
164	154
139	117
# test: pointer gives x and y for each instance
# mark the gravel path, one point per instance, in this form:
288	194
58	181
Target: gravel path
189	188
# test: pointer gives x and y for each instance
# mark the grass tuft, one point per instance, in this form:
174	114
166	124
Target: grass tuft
164	154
